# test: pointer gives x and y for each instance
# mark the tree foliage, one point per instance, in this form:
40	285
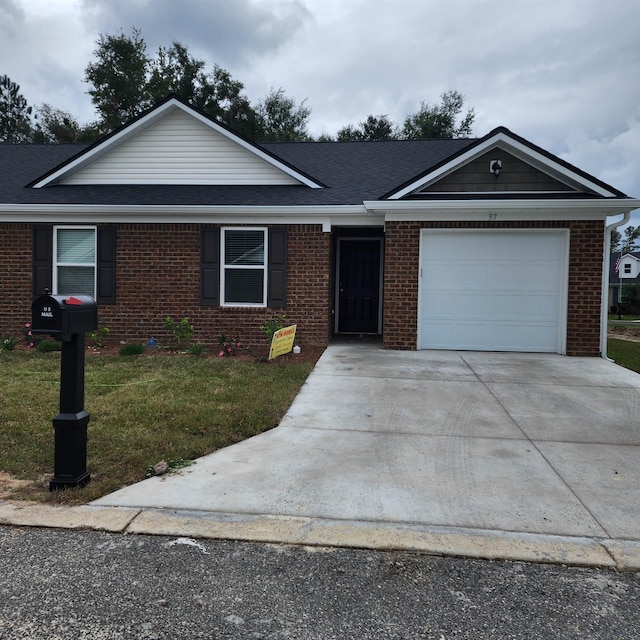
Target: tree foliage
54	126
280	118
15	113
124	81
442	120
627	241
372	128
439	120
118	79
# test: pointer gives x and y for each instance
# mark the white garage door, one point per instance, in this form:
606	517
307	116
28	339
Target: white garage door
493	290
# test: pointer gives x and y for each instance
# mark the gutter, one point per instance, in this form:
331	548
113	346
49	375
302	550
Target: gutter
604	306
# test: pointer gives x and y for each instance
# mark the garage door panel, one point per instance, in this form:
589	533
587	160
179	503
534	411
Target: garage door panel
502	336
492	291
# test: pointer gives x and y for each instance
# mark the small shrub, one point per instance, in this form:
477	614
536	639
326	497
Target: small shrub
181	331
9	344
228	346
46	346
131	349
98	336
196	349
271	325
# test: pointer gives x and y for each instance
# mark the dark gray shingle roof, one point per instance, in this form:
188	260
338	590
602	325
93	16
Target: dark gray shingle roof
352	171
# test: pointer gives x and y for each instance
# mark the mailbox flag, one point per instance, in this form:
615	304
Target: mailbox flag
72	300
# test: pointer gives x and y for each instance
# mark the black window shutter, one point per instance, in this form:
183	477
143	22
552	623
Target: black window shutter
277	271
210	266
42	260
106	293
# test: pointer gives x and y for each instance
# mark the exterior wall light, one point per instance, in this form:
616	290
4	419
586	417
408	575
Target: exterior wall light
495	167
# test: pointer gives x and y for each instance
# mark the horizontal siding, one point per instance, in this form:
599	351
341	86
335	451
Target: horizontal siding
180	150
516	175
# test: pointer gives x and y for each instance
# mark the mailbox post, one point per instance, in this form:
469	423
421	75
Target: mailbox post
67	318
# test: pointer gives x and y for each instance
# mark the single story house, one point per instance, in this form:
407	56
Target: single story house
484	244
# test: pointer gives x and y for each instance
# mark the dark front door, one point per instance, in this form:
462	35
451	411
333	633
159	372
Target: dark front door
359	285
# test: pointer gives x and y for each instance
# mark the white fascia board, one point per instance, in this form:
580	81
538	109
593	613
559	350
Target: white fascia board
189	214
525	153
148	120
517	209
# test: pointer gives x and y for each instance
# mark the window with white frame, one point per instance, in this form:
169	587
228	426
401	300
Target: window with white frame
244	266
74	260
627	268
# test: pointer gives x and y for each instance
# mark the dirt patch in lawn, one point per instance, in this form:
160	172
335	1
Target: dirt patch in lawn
623	332
10	486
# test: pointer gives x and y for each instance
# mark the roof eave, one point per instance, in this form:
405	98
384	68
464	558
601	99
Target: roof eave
502	210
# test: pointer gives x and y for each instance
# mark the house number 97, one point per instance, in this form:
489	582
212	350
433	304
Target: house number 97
493	216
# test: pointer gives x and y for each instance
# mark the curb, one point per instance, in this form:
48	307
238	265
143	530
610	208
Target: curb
621	555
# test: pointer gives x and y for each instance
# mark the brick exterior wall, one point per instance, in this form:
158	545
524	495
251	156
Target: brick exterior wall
15	279
158	275
585	280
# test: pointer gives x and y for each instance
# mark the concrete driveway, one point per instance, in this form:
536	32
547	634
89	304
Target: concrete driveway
453	452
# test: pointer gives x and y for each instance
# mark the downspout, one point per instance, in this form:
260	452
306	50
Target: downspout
604	312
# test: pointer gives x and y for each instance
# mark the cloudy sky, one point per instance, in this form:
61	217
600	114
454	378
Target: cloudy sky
565	74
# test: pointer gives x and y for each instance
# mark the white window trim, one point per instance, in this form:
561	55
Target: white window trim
57	264
223	267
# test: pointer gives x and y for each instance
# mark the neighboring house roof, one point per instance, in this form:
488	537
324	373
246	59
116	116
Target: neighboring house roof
174	155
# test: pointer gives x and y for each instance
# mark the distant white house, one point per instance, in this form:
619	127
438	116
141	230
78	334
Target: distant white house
624	270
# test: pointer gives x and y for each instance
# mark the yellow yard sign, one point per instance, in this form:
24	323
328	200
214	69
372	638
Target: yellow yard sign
282	341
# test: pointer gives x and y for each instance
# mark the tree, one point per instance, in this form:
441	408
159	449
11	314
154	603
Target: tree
627	241
348	133
223	98
373	128
279	118
616	236
125	81
119	78
439	120
175	71
15	113
54	126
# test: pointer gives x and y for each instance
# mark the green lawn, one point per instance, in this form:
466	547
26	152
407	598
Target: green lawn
625	353
143	409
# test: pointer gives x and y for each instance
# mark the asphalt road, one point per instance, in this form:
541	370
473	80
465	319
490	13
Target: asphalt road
57	584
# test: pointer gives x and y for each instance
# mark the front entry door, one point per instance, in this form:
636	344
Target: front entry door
359	285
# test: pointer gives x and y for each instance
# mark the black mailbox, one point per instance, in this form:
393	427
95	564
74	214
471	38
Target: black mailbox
68	318
63	316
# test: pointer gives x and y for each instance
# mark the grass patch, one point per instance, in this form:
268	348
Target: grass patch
143	410
625	317
626	353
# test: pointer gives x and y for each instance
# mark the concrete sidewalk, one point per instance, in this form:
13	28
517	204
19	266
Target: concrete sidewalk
500	455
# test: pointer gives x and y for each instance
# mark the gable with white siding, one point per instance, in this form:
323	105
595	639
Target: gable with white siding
180	149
